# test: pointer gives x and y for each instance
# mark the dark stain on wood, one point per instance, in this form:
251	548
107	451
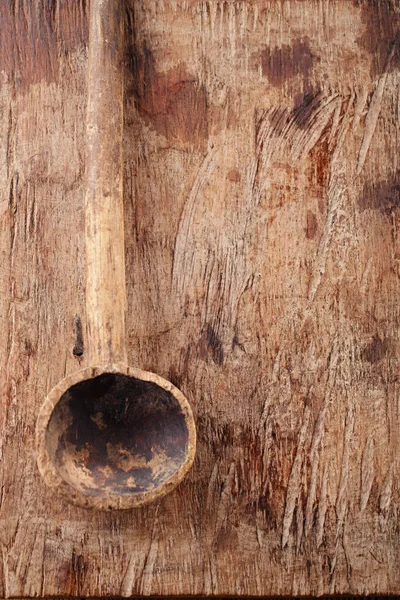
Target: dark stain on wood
236	343
79	571
211	344
233	175
64	578
320	163
173	103
42	32
29	349
286	62
383	195
381	32
375	350
311	225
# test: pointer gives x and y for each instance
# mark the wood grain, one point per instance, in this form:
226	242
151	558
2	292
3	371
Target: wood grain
262	252
104	210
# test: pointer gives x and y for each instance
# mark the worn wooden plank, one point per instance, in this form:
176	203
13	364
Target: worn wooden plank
261	218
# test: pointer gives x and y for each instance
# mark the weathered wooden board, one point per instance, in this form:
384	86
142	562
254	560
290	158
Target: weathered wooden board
262	211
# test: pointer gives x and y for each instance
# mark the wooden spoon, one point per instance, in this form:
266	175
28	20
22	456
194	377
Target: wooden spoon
111	436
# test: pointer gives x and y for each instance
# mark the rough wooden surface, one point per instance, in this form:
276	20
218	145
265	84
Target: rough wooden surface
261	218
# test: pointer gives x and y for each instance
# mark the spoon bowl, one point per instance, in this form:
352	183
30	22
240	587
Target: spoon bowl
113	437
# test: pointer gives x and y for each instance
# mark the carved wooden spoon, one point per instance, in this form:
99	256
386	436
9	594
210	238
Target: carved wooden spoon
111	436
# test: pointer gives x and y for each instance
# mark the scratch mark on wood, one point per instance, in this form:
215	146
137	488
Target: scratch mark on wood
184	251
225	499
274	379
294	485
211	485
305	138
365	276
287	134
299	525
341	500
322	507
361	101
367	473
318	434
385	497
335	126
34	581
373	114
148	569
336	196
133	576
342	496
4	561
128	581
11	139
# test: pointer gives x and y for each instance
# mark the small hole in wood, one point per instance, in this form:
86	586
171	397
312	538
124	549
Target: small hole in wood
78	348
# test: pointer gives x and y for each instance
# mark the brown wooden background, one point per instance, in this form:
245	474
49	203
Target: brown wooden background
262	210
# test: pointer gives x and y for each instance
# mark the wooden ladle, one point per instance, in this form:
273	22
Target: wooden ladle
110	436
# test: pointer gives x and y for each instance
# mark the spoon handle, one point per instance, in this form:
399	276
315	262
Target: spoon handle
104	234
